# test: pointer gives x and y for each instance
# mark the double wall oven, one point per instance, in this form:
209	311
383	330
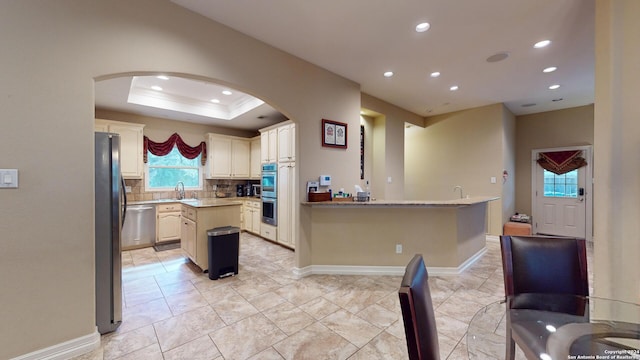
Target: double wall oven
269	193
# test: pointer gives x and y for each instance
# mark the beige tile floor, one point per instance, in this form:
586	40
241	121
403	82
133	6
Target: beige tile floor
173	311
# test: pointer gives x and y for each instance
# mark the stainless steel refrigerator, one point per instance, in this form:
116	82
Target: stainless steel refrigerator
110	201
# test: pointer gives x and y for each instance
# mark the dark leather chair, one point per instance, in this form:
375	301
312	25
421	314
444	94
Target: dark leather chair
417	312
541	265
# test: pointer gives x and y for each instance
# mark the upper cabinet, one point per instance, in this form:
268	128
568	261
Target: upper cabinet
287	143
228	157
255	158
269	145
131	145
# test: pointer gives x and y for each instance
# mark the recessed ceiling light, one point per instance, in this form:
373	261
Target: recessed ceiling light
454	88
226	92
558	99
156	88
541	44
550	69
529	105
435	74
553	87
422	27
498	57
215	101
388	74
162	77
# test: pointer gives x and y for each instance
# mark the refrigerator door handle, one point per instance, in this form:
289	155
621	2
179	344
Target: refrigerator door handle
124	199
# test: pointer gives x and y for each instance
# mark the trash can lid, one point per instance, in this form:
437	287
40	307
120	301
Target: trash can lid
223	230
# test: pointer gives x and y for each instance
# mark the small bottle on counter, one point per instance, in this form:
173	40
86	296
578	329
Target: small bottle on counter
368	191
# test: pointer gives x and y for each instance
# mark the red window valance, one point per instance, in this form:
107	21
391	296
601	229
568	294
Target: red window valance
561	162
163	148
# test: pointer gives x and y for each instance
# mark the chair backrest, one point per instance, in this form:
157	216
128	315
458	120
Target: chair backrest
417	312
541	264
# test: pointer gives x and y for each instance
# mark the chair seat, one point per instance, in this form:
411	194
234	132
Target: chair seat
539	265
417	312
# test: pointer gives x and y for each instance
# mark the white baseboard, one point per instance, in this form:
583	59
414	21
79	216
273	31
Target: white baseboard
383	270
65	350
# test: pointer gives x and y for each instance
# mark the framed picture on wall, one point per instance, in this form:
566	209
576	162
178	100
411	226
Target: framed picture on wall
334	134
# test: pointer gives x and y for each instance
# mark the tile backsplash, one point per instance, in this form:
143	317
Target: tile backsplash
218	188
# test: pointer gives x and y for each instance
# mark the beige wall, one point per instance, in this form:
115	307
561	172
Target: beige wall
508	198
568	127
160	129
388	143
57	49
379	171
367	122
367	235
617	150
463	148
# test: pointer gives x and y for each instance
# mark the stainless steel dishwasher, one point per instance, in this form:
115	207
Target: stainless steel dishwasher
139	229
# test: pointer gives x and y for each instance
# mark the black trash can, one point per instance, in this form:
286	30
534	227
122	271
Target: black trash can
224	245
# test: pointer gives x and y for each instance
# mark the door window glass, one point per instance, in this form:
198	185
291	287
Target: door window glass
565	185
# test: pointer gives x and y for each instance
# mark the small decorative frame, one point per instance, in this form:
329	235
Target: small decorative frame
334	134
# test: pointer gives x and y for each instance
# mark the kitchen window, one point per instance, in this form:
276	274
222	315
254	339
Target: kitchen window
162	173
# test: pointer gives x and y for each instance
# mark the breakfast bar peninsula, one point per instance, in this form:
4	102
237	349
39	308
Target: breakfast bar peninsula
380	237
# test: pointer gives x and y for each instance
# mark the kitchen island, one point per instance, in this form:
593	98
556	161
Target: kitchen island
200	215
365	237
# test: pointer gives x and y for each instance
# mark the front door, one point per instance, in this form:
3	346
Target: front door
560	201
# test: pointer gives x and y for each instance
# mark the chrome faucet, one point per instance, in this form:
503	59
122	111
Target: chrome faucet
180	190
456	188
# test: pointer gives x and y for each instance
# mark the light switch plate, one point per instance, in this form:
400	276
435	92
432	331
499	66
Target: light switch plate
9	178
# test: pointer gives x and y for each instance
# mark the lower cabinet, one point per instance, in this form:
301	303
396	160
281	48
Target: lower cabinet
252	216
195	223
188	242
268	232
286	204
168	225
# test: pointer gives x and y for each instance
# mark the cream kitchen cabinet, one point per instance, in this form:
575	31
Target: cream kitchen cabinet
131	145
168	224
287	143
268	231
196	221
252	216
188	241
228	157
286	204
269	145
255	159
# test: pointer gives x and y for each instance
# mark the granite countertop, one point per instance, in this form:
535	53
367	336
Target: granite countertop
405	203
197	203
